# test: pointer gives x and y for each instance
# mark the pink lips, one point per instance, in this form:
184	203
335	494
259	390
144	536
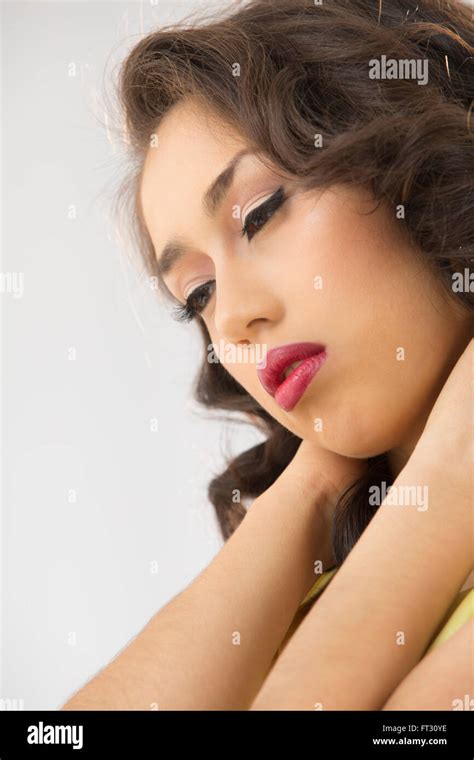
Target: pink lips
287	392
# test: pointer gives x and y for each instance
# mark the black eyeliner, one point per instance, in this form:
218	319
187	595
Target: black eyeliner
269	206
187	312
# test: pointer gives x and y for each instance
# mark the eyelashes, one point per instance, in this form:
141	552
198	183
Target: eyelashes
195	303
254	221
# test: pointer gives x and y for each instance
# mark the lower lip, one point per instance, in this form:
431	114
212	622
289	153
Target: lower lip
292	388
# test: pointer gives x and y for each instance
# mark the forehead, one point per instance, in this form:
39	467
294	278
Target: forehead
193	147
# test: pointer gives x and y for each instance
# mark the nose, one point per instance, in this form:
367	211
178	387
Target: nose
246	306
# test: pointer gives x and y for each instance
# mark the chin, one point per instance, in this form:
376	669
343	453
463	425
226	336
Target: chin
355	439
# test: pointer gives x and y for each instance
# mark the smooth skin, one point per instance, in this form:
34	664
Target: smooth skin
354	649
187	656
213	645
443	679
391	333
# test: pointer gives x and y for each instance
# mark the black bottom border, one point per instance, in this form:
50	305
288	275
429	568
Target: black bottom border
423	734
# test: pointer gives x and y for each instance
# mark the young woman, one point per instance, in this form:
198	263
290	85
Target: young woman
303	189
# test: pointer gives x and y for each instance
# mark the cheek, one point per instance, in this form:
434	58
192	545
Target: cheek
354	266
355	276
352	282
370	301
328	259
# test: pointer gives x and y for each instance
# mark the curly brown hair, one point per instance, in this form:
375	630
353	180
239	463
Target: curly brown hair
303	69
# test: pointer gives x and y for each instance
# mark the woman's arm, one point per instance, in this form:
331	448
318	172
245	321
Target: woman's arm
374	621
443	680
211	646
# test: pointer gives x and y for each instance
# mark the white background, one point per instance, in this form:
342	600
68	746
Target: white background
77	577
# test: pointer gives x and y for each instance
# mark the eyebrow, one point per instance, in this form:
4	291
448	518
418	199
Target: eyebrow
175	249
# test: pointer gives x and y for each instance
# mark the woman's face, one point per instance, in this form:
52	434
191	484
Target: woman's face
316	268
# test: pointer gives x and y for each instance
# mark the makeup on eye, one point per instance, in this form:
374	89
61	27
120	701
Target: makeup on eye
198	299
195	303
257	217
